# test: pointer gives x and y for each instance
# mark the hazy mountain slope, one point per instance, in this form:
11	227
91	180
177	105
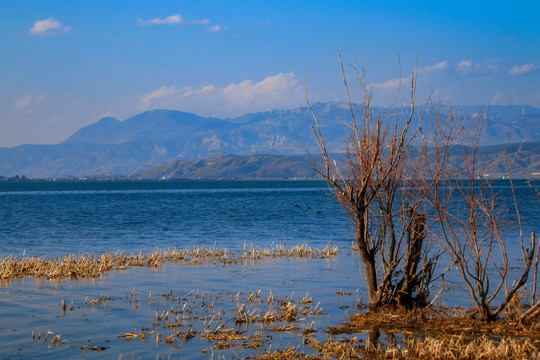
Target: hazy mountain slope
226	166
524	160
156	125
490	162
78	159
160	136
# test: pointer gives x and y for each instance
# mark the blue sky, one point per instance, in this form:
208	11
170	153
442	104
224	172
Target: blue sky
65	64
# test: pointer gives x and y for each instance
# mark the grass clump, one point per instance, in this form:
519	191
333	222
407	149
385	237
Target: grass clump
90	266
455	348
441	321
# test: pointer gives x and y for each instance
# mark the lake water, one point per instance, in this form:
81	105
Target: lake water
60	218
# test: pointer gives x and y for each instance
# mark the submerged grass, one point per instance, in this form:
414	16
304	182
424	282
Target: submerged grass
222	320
88	266
439	333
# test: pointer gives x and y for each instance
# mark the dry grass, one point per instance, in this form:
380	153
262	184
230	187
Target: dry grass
56	339
435	322
455	348
289	353
340	349
210	317
251	253
483	347
440	333
287	310
88	266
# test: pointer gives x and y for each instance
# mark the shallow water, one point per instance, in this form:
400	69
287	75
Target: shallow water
32	305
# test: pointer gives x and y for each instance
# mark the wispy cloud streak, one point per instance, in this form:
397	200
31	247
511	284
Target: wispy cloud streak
523	69
48	27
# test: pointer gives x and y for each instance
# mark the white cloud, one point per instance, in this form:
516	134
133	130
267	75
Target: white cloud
464	65
518	70
159	93
199	22
194	92
169	20
469	67
394	84
498	99
22	102
25	101
48	27
174	20
103	115
217	28
281	90
272	86
438	66
388	85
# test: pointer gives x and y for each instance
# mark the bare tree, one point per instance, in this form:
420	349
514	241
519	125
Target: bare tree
382	188
378	191
467	214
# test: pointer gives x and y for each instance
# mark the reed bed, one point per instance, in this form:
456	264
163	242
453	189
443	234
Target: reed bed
249	328
280	251
455	348
460	348
435	334
247	321
89	266
209	317
436	321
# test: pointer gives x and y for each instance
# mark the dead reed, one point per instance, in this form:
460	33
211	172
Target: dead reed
88	266
436	322
56	339
210	317
289	353
484	347
251	253
455	348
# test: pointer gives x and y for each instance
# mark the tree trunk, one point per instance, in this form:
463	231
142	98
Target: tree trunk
370	270
486	314
415	242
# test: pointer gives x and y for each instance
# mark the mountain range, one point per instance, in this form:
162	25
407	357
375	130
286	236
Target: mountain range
268	144
490	162
227	166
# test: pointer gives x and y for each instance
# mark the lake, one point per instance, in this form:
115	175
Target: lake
60	218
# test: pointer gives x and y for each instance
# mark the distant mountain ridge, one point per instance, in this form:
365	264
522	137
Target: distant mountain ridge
227	166
153	125
156	137
490	164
